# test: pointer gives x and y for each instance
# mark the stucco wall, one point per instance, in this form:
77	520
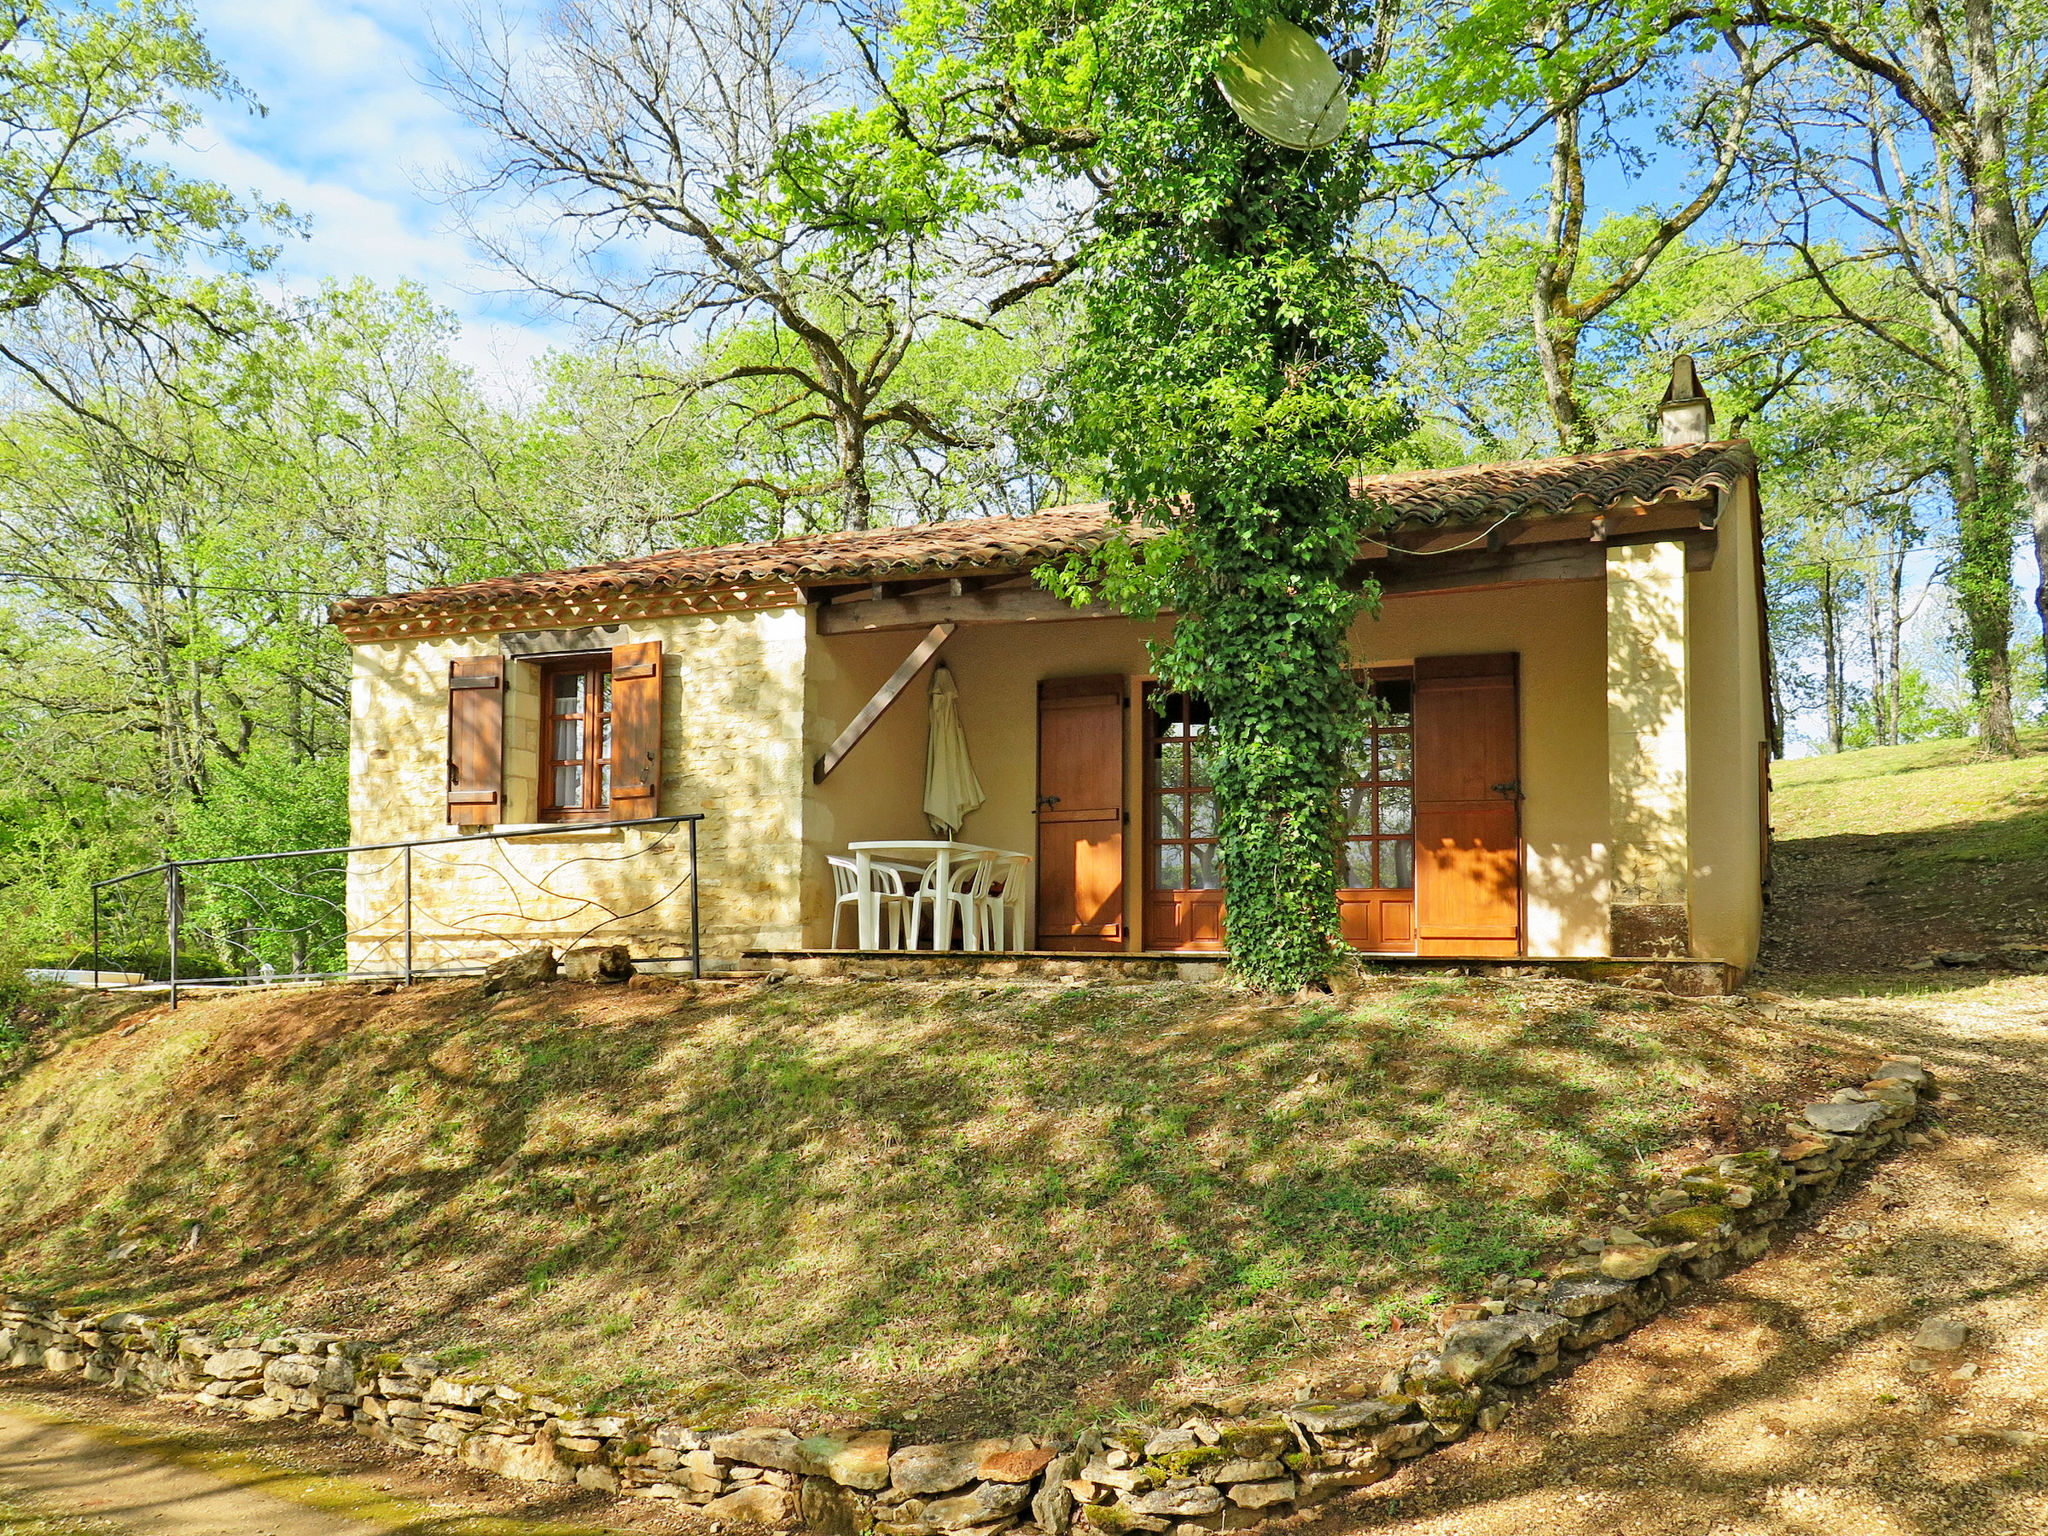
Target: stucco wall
1726	735
1648	747
732	748
1560	631
878	791
1559	628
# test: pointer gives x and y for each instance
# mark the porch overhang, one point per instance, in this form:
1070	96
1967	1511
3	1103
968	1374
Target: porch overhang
1405	562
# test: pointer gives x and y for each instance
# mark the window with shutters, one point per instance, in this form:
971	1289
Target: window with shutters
576	740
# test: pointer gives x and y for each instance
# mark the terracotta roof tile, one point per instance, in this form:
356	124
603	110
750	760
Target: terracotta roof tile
1475	493
1419	498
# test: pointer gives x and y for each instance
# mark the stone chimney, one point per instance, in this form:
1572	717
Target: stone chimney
1685	415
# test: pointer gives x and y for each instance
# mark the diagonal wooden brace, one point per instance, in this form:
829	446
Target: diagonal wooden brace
886	695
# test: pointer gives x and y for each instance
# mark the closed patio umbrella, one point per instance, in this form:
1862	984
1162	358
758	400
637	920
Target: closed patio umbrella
951	790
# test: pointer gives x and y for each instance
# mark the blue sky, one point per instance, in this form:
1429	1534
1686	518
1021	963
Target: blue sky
353	137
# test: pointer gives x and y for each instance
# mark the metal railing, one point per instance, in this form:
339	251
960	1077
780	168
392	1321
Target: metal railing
253	910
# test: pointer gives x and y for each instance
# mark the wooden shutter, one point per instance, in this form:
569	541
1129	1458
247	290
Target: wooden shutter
1081	813
476	740
636	730
1468	823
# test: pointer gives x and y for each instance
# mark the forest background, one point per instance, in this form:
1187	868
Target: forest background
771	327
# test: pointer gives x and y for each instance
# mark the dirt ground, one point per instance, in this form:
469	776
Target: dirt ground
74	1460
84	1475
1787	1400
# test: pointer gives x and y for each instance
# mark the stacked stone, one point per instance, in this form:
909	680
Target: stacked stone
1204	1475
37	1334
1699	1223
25	1338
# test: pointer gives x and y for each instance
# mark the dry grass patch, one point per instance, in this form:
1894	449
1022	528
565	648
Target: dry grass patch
1888	855
942	1205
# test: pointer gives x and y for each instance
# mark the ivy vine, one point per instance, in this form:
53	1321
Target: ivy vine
1229	376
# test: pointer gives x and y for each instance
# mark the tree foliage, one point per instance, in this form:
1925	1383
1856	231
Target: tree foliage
1226	374
655	172
90	215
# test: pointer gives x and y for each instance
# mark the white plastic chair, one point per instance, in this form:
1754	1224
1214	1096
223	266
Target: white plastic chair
1003	912
889	886
966	893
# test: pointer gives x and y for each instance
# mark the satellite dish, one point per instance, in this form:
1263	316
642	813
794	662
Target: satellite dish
1285	88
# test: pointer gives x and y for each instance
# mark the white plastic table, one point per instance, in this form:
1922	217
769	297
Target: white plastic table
922	851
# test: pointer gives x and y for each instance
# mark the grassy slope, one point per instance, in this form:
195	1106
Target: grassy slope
1888	854
950	1204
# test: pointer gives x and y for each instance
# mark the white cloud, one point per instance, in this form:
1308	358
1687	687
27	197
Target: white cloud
351	136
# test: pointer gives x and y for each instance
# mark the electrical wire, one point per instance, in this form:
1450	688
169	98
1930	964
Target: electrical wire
1450	549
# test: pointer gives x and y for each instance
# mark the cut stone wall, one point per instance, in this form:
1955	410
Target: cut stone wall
732	748
1206	1473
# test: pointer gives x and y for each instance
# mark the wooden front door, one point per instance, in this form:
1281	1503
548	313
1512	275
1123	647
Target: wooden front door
1468	810
1081	813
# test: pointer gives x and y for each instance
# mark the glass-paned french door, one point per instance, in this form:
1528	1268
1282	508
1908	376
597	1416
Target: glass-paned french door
1375	852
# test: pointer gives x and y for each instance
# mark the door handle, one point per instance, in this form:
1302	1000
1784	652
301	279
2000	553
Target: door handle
1047	802
1511	790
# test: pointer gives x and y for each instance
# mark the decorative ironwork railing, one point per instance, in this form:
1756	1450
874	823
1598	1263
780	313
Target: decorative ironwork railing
399	911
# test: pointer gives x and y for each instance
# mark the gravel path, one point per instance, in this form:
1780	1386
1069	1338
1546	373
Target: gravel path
1788	1400
72	1471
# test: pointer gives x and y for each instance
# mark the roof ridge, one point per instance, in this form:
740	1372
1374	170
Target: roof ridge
1433	497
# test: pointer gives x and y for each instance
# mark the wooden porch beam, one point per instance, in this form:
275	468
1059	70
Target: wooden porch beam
885	695
1412	574
1552	549
1027	603
1659	518
1577	560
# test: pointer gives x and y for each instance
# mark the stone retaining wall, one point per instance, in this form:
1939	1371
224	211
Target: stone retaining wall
1207	1474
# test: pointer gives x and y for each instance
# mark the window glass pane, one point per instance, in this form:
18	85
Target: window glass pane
569	786
1168	865
1357	872
604	740
1203	754
1358	759
1202	868
604	784
1398	699
1394	757
1198	717
1397	865
1171	765
604	695
1171	819
568	693
1202	815
1357	811
1397	812
1167	711
568	740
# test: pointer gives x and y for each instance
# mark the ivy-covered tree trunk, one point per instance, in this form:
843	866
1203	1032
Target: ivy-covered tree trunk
1228	376
1264	638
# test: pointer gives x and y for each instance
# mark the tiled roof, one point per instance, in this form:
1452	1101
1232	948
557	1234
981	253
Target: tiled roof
1586	482
1420	498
